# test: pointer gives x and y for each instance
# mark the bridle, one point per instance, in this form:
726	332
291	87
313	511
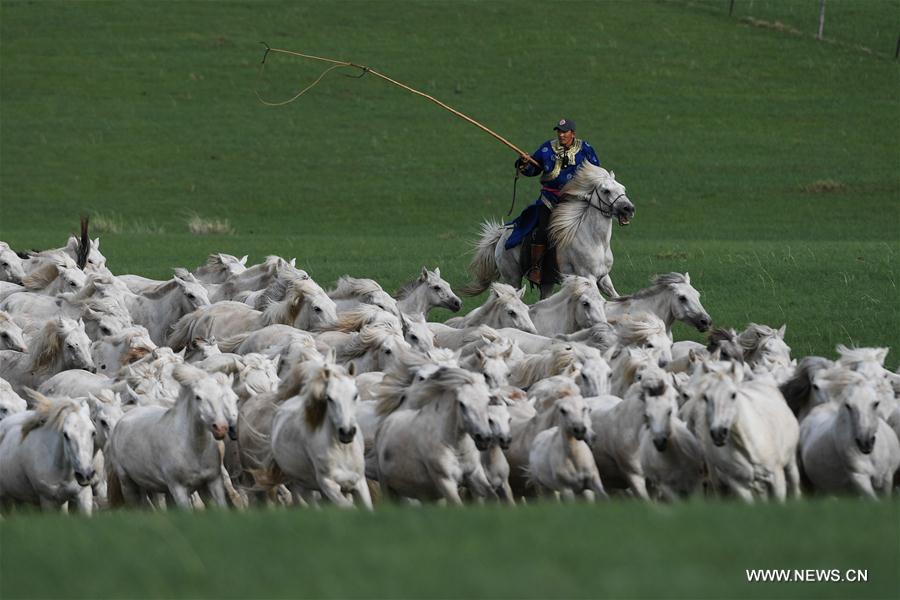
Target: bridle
605	208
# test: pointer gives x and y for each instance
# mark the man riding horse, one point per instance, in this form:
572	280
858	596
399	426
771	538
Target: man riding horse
558	160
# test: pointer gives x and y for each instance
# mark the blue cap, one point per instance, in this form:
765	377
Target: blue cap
565	125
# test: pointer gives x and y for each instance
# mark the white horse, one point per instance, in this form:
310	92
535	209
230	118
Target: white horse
427	291
424	453
373	349
586	365
110	353
158	450
491	361
560	459
670	297
256	277
645	411
316	443
11	267
10	402
580	229
46	455
220	267
493	460
61	344
647	331
576	306
157	309
749	435
11	336
503	308
55	277
304	306
844	444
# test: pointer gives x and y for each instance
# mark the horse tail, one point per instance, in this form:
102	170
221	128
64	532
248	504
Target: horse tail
182	332
114	496
483	267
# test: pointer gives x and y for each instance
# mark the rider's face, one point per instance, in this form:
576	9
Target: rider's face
565	138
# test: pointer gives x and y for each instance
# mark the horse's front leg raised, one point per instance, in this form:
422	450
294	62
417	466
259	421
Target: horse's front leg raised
331	490
606	287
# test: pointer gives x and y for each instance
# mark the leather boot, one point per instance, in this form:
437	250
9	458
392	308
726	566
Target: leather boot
537	257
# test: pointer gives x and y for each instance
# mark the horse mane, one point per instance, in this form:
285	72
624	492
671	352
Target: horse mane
754	337
658	284
215	264
391	392
634	330
409	287
545	392
315	405
567	215
291	293
553	361
852	357
796	389
360	316
725	340
5	317
47	412
43	276
352	287
47	345
160	290
839	378
370	336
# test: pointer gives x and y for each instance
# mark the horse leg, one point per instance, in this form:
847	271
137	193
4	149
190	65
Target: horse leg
331	490
596	485
50	505
638	485
449	490
863	484
215	491
606	286
130	491
84	501
361	493
181	496
792	474
505	493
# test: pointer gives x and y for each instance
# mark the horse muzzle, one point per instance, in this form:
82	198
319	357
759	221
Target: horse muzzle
85	479
346	435
218	431
660	443
482	442
232	432
866	445
719	436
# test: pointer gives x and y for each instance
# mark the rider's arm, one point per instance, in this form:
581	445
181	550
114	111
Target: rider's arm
529	169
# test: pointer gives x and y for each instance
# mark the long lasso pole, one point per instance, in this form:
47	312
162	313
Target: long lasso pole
342	63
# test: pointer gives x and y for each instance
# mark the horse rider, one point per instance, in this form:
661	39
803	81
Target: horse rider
558	160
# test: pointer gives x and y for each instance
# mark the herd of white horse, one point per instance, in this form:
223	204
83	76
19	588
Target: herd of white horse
232	385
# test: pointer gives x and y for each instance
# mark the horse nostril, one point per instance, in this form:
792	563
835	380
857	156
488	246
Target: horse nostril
351	432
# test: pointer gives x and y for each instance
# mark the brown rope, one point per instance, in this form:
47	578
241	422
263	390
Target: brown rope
341	63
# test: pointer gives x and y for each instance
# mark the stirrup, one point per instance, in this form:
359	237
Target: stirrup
534	275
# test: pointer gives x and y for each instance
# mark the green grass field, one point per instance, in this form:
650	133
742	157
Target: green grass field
762	162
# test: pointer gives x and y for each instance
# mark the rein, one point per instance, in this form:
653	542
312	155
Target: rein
605	208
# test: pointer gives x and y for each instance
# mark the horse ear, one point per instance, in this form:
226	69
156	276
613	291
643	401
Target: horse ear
437	271
97	243
687	278
131	396
479	354
781	331
424	275
351	369
737	371
521	292
293	262
331	356
243	259
881	355
72	244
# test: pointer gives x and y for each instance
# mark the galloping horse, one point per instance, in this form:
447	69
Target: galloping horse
580	229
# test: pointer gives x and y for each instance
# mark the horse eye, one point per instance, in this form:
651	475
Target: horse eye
197	397
564	411
66	435
317	309
436	288
876	404
650	345
682	298
388	351
4	335
733	395
190	296
585	303
414	338
511	313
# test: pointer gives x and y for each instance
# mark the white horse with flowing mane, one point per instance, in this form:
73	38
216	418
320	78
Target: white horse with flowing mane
316	444
174	450
576	306
670	297
503	308
425	292
350	292
425	452
46	455
844	444
11	267
62	344
580	228
11	336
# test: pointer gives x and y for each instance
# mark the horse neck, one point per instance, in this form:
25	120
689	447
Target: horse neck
54	366
479	315
185	416
630	415
557	311
416	301
53	448
659	304
447	418
594	228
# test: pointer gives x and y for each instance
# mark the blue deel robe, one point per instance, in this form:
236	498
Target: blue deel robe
553	177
